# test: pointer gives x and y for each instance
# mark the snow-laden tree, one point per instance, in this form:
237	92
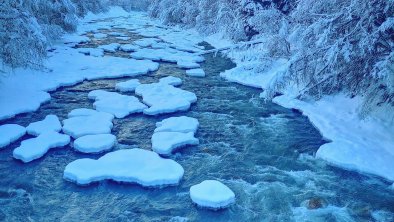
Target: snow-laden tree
332	46
21	39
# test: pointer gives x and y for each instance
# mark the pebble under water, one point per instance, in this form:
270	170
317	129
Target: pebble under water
262	151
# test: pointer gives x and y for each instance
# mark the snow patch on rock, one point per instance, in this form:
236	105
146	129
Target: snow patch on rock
182	124
117	104
128	86
95	143
163	98
10	133
164	143
35	148
212	194
85	122
171	80
195	72
51	123
130	165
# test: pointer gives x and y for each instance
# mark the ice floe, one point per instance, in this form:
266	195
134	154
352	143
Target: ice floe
95	143
171	80
110	47
10	133
129	165
164	143
127	86
51	123
182	124
128	48
35	148
163	98
85	122
212	194
195	72
96	52
117	104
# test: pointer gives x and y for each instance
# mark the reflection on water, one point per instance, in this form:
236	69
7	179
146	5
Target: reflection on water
262	151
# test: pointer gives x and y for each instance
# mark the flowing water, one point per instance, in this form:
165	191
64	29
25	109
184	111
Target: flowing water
262	151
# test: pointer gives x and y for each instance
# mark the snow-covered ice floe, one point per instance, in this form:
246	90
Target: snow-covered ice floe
139	166
164	143
10	133
83	122
182	124
195	72
35	148
171	80
117	104
51	123
164	98
127	86
212	194
96	52
95	143
110	47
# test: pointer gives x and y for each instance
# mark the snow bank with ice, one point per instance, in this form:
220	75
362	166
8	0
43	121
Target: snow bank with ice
212	194
182	124
35	148
51	123
360	145
163	98
87	123
128	86
95	143
117	104
130	165
164	143
25	90
10	133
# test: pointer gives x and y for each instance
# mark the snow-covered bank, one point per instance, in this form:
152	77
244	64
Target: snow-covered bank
24	90
363	145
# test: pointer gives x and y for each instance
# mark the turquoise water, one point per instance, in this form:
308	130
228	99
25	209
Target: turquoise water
262	151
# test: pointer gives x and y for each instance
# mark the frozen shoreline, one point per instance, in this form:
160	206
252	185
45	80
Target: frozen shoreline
362	145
